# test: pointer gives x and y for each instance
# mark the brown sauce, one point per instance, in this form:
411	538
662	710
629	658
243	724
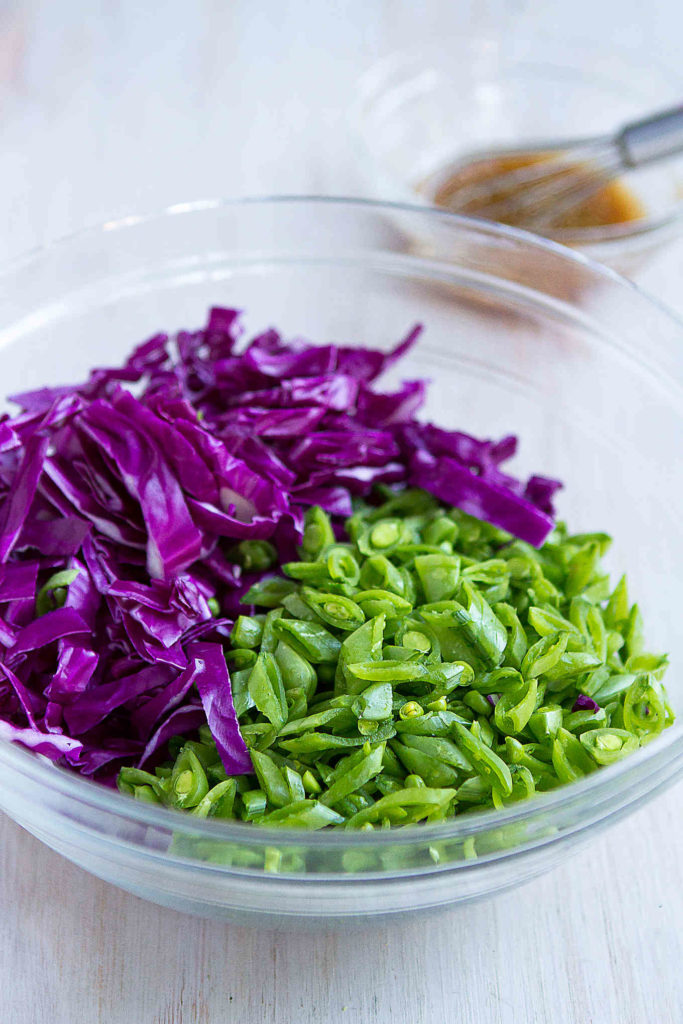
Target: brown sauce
612	203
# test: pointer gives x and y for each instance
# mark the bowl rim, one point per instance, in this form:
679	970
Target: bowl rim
372	83
41	770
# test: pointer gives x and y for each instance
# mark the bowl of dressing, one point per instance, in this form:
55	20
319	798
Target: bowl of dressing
427	123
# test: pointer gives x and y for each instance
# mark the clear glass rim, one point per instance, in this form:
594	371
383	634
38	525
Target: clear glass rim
597	239
563	799
667	749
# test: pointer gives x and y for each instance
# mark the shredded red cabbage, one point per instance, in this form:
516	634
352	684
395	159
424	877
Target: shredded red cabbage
584	703
120	516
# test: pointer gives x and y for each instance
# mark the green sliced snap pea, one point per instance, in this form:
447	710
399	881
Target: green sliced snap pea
609	745
255	555
218	802
516	645
515	707
268	593
482	627
644	709
53	593
354	776
308	814
439	576
374	704
188	782
335	610
484	761
309	639
267	691
271	779
545	722
318	534
379	573
296	671
570	759
417	802
342	565
247	631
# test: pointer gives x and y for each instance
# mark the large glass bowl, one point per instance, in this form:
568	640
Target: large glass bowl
521	335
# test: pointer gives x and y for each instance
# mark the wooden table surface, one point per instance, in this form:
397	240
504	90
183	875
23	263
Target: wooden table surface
112	107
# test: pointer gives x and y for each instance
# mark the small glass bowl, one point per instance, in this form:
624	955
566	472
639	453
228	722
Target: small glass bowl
520	335
418	114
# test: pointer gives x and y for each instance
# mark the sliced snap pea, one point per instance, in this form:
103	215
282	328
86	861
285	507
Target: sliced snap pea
545	722
254	802
255	555
364	644
523	787
239	684
632	631
515	707
609	745
544	655
617	608
268	593
439	576
382	536
644	709
188	782
516	645
432	723
312	742
354	776
570	665
340	612
481	626
432	771
247	631
548	621
394	672
342	565
309	639
218	802
309	814
582	720
571	760
295	784
271	779
297	672
338	718
484	761
269	640
267	691
378	573
53	593
440	748
383	602
374	704
318	534
418	802
488	573
240	658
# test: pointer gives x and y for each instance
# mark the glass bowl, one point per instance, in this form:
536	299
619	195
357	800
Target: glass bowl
521	335
417	114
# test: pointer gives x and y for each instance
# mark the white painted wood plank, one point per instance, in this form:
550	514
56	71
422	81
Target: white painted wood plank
598	940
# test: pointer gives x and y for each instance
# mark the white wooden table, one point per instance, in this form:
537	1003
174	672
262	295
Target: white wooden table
111	107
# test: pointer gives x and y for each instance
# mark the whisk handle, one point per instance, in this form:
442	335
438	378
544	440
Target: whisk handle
652	138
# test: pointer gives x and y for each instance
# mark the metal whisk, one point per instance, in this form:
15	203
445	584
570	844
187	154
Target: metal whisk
558	177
